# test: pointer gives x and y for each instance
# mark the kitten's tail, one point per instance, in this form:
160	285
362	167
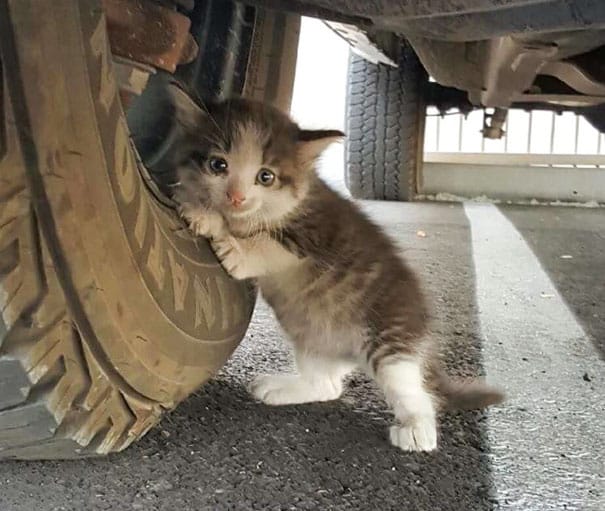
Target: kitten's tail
466	394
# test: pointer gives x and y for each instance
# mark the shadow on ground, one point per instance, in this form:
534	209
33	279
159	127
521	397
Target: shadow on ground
570	245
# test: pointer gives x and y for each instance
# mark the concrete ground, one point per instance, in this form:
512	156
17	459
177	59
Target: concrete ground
517	295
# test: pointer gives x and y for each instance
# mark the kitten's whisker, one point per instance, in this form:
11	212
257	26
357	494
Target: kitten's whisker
212	119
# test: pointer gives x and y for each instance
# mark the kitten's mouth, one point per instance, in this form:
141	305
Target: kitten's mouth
241	212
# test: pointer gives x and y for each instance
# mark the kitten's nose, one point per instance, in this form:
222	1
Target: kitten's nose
236	198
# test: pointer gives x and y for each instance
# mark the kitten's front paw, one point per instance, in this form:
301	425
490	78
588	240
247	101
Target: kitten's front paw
203	222
231	257
289	389
277	389
419	435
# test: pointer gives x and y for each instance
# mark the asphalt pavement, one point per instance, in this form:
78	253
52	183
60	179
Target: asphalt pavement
518	295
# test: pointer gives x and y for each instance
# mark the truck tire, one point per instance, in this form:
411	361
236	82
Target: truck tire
385	127
110	312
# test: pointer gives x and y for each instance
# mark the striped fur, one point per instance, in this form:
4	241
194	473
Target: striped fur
336	282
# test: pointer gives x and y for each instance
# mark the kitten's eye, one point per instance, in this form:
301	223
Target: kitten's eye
265	177
218	165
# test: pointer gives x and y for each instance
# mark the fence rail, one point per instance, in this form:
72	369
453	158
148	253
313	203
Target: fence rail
525	159
542	156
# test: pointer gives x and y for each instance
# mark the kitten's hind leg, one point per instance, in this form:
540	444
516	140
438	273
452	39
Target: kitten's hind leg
319	379
401	379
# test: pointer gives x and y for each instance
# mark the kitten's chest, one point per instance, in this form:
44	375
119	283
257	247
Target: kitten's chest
313	316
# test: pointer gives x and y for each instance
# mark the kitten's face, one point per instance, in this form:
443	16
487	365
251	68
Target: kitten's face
244	159
239	176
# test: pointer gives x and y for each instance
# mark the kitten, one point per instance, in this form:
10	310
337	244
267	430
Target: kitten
335	281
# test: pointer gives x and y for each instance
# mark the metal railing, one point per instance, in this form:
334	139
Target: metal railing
535	159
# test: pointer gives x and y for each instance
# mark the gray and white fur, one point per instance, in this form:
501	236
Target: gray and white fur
336	282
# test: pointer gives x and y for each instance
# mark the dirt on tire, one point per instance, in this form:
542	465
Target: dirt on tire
111	313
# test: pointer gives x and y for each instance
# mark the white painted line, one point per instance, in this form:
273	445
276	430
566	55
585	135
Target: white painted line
548	438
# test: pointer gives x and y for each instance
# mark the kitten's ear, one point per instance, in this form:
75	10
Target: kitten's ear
311	143
187	112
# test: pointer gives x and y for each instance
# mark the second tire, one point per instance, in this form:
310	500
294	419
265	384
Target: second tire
385	127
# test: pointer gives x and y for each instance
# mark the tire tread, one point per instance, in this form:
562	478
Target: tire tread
54	401
385	123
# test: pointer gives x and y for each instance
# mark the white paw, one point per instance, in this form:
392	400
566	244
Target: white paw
420	434
286	389
276	389
231	257
203	222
